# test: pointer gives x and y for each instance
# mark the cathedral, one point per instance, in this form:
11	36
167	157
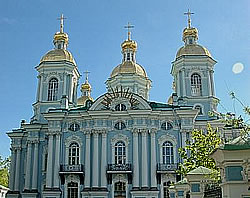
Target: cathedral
119	145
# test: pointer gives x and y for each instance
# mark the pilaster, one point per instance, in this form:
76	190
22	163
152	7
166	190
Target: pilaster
28	166
104	161
144	159
35	166
135	160
18	165
95	170
87	161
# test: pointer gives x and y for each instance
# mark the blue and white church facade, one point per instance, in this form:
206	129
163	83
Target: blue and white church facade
120	144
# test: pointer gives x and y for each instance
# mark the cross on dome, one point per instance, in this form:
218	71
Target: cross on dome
189	13
61	22
129	32
86	75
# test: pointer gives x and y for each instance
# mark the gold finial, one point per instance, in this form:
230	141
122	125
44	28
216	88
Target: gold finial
189	13
86	75
129	32
61	23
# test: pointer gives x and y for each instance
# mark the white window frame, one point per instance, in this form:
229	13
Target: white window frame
68	142
196	84
118	138
72	178
53	88
172	139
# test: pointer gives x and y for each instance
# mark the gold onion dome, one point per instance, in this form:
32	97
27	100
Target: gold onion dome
85	86
61	36
190	37
193	49
128	67
129	44
58	55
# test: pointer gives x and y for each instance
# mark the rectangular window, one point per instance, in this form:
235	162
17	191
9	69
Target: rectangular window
195	187
233	173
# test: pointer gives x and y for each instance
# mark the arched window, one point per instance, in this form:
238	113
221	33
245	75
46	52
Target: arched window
166	126
72	190
198	107
74	154
196	85
53	89
120	126
120	153
120	107
167	153
120	190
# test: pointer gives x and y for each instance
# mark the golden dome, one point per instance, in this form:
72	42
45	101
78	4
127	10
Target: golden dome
58	55
129	44
190	31
61	36
128	67
85	86
193	49
83	99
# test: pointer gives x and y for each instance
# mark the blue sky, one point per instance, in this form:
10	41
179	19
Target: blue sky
96	30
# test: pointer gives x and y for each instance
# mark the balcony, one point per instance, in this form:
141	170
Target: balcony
79	169
196	90
164	168
119	168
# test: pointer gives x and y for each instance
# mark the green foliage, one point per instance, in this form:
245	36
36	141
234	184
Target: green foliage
197	151
4	171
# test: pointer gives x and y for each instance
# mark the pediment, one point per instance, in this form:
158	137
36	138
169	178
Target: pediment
110	100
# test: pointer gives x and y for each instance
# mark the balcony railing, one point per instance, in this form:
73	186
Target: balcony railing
79	168
119	168
195	90
166	167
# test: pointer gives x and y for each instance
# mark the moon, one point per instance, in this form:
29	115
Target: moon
237	68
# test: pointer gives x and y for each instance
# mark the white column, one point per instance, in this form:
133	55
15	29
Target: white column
38	88
178	84
183	83
87	162
49	162
153	160
104	161
95	170
35	166
212	82
18	164
209	83
57	162
135	160
41	89
12	169
144	159
28	167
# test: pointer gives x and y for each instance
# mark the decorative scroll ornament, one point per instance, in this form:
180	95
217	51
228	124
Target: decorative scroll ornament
122	93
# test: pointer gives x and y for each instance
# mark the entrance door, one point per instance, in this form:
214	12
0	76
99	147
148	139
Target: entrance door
120	190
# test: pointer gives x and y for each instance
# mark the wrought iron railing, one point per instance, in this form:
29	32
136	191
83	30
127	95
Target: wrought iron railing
71	168
167	167
119	167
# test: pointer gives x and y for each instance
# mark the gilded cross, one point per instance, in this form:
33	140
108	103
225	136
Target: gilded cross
61	22
129	31
86	75
189	13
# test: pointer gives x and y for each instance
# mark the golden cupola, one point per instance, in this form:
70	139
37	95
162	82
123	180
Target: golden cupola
86	92
60	52
129	65
190	37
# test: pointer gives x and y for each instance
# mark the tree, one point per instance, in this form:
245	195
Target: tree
197	151
4	171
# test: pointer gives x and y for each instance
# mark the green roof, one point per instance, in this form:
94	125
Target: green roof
239	143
